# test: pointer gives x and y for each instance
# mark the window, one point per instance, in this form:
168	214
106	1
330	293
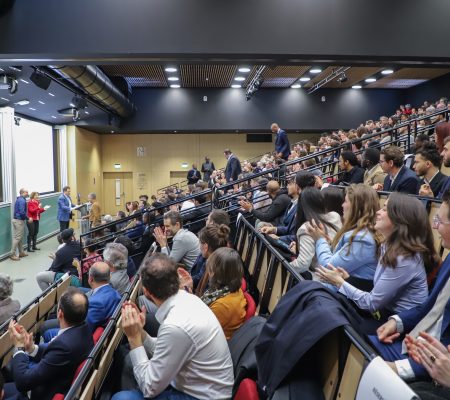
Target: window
34	150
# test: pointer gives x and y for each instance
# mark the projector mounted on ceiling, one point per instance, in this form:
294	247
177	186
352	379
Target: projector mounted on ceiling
8	82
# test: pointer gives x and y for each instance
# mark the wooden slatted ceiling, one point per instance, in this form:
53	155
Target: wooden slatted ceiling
317	78
213	76
283	76
139	75
408	77
355	75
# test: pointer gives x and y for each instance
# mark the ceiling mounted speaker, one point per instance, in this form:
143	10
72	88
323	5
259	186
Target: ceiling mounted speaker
40	80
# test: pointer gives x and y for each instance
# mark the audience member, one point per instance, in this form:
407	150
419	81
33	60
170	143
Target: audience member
193	175
427	162
355	246
18	225
446	161
207	169
185	247
63	262
374	174
8	306
91	257
52	365
218	217
127	242
224	295
311	207
333	197
189	358
116	256
95	212
353	173
407	255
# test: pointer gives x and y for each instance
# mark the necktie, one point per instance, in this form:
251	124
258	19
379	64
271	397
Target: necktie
435	313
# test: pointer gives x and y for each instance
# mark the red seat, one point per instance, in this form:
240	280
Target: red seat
244	285
97	334
247	390
251	306
59	396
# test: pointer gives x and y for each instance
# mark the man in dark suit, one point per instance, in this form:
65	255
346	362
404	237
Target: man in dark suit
63	261
193	175
64	208
399	177
432	317
351	171
103	300
233	168
55	363
282	147
207	169
427	162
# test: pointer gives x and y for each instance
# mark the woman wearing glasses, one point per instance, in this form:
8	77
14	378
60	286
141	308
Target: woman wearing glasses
407	255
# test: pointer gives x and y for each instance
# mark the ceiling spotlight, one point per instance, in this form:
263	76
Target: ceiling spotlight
173	78
304	79
387	71
4	98
342	78
296	86
244	70
8	82
40	102
24	81
315	70
171	69
53	117
51	94
370	80
24	102
175	86
356	87
236	86
239	79
16	68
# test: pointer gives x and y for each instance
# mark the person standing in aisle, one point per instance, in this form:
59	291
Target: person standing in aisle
207	169
35	210
65	206
18	224
282	147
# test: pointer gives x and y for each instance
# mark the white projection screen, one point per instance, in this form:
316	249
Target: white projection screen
33	150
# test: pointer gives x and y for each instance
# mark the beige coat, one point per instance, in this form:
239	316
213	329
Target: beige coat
375	175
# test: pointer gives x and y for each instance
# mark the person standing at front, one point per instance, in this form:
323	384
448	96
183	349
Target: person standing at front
18	223
35	210
64	208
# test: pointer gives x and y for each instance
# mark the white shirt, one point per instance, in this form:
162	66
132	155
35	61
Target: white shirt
190	352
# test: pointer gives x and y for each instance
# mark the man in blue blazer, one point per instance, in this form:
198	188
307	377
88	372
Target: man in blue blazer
399	177
103	300
233	168
282	147
433	317
54	364
65	206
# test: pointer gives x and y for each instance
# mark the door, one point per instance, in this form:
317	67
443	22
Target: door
117	190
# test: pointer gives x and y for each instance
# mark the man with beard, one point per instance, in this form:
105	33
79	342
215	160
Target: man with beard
371	162
446	161
426	164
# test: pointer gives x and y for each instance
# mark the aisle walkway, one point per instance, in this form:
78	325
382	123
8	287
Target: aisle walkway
23	272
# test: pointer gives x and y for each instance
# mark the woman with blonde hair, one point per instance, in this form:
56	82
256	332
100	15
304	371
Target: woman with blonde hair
355	247
224	296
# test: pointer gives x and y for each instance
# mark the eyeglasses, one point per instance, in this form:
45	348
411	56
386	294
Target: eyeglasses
437	221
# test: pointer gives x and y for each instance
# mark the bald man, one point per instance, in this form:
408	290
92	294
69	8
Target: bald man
103	300
282	147
275	212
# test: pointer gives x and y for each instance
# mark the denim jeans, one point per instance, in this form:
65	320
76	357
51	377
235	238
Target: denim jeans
169	394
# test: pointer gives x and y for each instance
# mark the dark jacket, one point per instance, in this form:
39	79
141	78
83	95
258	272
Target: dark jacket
64	258
355	175
282	144
287	229
207	169
233	168
275	212
445	187
56	363
193	176
405	182
437	183
304	315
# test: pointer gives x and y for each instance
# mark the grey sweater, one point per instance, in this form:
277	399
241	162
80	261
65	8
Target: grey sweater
185	248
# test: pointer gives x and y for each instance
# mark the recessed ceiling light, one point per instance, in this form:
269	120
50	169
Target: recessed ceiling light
171	69
4	99
296	86
40	102
244	70
71	105
86	112
1	69
173	78
315	70
24	81
370	80
305	79
22	102
356	87
53	117
32	109
239	79
387	71
175	86
51	94
236	86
